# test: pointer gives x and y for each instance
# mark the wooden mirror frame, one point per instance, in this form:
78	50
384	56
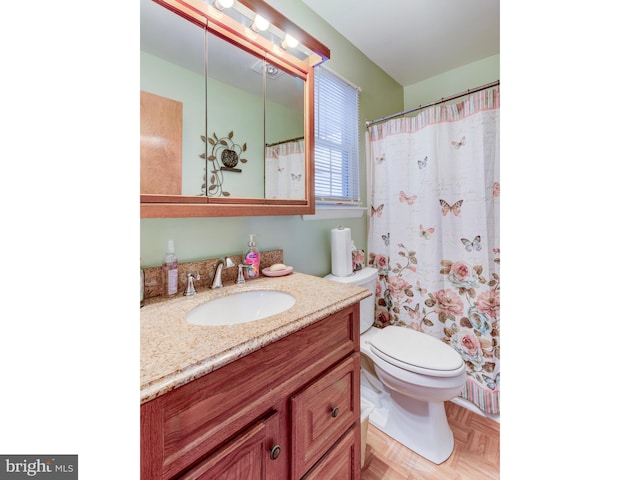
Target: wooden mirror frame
206	16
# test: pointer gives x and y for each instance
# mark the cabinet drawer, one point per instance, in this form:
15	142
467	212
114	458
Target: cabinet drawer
342	462
323	412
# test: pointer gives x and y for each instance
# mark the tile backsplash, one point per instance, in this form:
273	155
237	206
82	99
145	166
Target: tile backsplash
153	275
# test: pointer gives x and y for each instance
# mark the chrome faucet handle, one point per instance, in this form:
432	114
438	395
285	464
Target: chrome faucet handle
191	290
217	276
240	280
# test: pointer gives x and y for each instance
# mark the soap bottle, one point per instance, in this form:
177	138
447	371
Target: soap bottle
170	272
252	258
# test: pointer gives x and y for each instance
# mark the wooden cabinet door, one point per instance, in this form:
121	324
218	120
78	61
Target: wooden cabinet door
252	455
323	412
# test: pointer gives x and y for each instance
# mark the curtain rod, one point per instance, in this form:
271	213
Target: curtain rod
443	100
283	141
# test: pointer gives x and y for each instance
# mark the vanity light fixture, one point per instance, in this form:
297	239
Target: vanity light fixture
289	42
284	40
260	24
222	4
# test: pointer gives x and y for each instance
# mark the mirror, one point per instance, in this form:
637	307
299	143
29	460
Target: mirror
209	81
172	98
235	112
284	133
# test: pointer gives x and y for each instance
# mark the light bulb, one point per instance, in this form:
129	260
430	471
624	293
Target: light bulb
260	23
289	42
222	4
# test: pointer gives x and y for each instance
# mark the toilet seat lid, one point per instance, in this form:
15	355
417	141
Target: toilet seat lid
416	351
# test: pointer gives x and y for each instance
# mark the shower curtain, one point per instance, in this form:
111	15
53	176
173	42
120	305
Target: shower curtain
284	170
434	232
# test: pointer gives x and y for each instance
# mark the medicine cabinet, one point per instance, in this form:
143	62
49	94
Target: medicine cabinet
226	114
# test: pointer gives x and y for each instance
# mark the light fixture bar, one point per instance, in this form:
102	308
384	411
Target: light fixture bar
234	25
280	26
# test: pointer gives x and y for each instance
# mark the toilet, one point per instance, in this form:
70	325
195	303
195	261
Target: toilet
408	376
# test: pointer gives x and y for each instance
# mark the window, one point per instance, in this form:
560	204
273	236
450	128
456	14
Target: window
337	115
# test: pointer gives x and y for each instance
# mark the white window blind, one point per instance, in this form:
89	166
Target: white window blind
337	115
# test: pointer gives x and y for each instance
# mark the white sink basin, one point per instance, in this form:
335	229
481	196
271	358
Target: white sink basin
241	307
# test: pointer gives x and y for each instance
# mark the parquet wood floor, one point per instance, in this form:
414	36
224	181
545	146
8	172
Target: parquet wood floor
476	452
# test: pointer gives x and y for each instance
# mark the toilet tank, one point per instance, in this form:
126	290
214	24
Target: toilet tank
365	278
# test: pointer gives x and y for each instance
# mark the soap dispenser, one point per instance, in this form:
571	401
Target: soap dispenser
170	272
252	258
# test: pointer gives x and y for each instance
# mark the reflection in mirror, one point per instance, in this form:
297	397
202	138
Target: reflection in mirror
243	104
227	106
284	131
235	121
172	102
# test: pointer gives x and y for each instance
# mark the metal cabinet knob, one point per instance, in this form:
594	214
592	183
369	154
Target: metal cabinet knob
275	452
335	411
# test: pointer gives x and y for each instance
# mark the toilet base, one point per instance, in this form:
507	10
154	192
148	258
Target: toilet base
420	426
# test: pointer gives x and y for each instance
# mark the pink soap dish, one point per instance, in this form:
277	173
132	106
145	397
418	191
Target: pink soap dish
277	273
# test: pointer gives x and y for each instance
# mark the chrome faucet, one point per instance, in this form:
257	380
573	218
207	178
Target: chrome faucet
217	276
191	290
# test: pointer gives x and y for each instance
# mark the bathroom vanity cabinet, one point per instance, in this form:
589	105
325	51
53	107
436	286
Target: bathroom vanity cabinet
289	410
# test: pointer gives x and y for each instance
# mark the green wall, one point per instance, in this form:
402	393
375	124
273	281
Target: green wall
306	244
452	82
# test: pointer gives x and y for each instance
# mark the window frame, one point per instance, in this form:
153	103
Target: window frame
336	140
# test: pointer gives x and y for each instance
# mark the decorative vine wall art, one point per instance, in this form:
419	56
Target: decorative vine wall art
225	155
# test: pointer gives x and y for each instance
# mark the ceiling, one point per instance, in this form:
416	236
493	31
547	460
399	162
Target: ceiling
413	40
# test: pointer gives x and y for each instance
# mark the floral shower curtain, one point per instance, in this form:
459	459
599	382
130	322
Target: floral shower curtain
284	170
434	232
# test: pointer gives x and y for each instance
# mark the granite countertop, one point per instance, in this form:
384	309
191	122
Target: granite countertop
174	352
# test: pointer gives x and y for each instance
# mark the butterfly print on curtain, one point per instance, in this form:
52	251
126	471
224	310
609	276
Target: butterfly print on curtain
470	246
455	208
407	198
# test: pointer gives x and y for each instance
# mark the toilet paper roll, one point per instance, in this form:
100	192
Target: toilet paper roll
341	263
